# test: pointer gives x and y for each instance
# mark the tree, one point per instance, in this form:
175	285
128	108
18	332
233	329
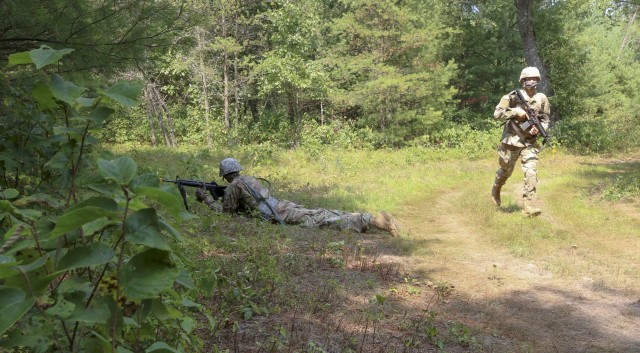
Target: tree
387	67
525	17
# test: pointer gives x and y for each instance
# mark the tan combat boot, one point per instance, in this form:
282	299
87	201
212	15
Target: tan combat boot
386	222
529	210
495	194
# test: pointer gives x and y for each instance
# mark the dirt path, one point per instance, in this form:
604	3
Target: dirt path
517	305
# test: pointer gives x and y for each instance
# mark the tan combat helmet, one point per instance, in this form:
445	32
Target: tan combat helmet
530	72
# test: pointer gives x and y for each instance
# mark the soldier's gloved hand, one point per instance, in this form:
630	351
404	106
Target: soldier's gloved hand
201	194
519	113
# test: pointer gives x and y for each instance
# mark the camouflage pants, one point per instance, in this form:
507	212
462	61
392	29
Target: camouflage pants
292	213
508	157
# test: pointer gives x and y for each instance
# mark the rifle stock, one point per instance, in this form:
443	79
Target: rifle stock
532	120
217	191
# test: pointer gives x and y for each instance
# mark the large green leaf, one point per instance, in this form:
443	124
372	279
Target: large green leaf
121	170
74	132
64	90
147	274
150	180
167	199
47	56
84	256
161	347
7	266
143	228
62	309
10	296
97	201
78	217
42	94
20	58
98	313
9	315
99	114
124	93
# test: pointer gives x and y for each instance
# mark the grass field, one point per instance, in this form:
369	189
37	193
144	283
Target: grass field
464	276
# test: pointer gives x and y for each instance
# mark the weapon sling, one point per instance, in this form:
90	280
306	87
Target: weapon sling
261	200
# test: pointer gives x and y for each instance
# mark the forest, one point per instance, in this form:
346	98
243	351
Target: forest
103	99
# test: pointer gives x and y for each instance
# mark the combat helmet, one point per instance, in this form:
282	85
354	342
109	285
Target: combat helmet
530	72
229	165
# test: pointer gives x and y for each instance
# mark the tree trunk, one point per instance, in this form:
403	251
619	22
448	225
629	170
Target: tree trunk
292	112
625	41
149	102
225	82
205	89
524	12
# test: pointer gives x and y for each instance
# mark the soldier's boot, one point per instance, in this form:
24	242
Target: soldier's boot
495	194
386	222
529	210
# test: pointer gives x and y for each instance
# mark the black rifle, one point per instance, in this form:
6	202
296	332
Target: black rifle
532	120
217	191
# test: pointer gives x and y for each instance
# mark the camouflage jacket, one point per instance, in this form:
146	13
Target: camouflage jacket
539	103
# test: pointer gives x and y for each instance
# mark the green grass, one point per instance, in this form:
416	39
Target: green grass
244	267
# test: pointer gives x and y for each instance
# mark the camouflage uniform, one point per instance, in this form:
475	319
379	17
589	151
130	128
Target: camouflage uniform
521	146
238	197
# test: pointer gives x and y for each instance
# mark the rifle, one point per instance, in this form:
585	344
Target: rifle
532	120
217	191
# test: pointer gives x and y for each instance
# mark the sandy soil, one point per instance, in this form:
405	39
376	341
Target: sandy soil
518	306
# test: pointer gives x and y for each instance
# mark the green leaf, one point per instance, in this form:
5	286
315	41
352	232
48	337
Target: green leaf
7	266
74	284
98	225
159	310
150	180
64	90
121	170
123	350
85	256
99	114
161	347
147	274
185	280
124	93
62	309
76	218
143	228
11	314
86	102
39	262
59	161
167	199
47	56
98	314
20	59
10	296
98	201
74	132
39	199
7	206
42	94
9	194
187	324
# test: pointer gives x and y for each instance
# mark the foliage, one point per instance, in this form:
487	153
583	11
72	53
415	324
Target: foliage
105	35
88	262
